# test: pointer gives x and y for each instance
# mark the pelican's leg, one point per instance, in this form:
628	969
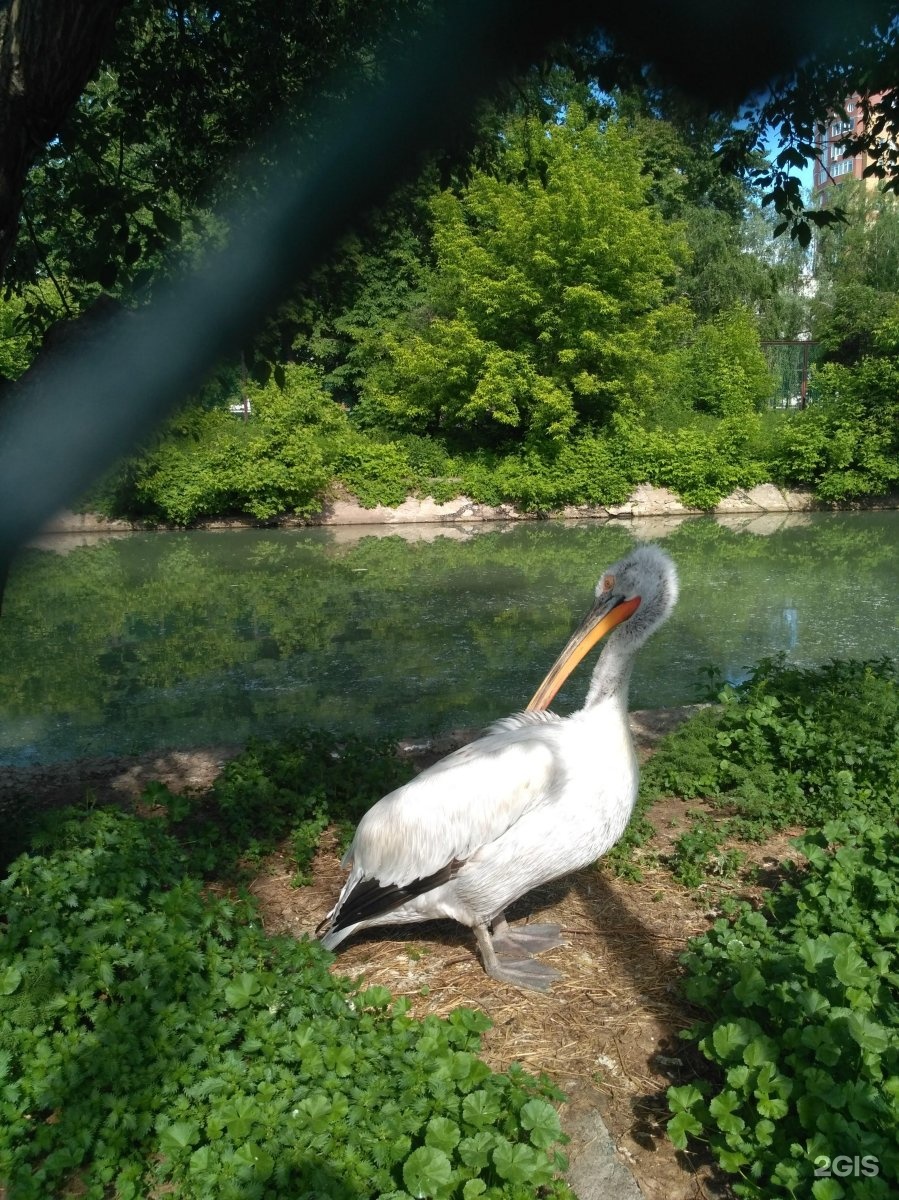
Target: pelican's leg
523	972
511	941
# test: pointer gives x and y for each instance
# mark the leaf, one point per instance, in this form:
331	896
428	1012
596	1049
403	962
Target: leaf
515	1163
732	1160
773	1107
178	1136
729	1038
722	1109
851	968
868	1033
814	951
10	978
684	1098
475	1151
760	1051
681	1125
241	992
471	1019
200	1161
738	1077
480	1109
543	1122
827	1189
254	1157
443	1134
426	1171
473	1188
339	1059
751	986
375	997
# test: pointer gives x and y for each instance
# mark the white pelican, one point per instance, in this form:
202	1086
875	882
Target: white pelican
536	797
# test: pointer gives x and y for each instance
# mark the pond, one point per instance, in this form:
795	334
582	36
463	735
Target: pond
180	639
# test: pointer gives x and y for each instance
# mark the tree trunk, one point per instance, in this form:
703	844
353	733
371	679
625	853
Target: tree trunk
48	51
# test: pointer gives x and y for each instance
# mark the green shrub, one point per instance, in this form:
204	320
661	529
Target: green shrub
847	443
791	746
722	371
209	462
296	785
375	472
806	1027
701	461
154	1039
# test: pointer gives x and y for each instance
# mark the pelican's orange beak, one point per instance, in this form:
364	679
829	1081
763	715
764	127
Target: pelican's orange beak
599	621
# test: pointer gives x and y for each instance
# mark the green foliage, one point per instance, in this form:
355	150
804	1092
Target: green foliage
14	340
847	443
701	461
806	1001
301	784
209	461
722	371
697	855
857	269
172	119
791	746
153	1038
550	294
282	460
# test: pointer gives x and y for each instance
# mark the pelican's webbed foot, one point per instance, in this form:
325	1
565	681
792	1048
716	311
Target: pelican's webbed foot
515	941
514	967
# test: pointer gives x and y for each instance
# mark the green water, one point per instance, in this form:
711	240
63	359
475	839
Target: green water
166	640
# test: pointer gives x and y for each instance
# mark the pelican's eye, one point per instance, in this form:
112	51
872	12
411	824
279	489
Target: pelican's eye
608	582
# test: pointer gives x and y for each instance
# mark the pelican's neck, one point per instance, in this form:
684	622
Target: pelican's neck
612	674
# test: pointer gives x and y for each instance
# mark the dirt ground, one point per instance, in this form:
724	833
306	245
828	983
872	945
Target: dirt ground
607	1033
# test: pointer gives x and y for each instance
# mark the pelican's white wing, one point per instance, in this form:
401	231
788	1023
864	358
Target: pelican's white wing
463	802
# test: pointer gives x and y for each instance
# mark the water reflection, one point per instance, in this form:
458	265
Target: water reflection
177	639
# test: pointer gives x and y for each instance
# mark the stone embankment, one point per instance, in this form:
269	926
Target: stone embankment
645	501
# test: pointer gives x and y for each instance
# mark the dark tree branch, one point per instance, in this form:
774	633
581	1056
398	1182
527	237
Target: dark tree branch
45	262
48	51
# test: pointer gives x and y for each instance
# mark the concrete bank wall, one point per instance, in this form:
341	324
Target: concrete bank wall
646	501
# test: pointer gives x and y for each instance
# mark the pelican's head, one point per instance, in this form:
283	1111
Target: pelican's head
633	597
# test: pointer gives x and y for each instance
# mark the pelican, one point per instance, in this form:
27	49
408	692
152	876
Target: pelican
536	797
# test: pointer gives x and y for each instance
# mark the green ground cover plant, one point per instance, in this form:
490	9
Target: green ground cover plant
791	746
806	1029
293	787
153	1037
805	992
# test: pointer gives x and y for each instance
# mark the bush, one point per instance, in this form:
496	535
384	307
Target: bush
702	461
805	998
791	745
209	462
847	443
723	371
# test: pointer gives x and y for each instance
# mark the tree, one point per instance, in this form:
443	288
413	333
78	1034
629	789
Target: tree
169	129
857	52
48	52
857	269
551	294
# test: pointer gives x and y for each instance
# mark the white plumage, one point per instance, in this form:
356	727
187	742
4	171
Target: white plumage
536	797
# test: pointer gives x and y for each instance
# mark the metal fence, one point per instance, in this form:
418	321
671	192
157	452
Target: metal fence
790	361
